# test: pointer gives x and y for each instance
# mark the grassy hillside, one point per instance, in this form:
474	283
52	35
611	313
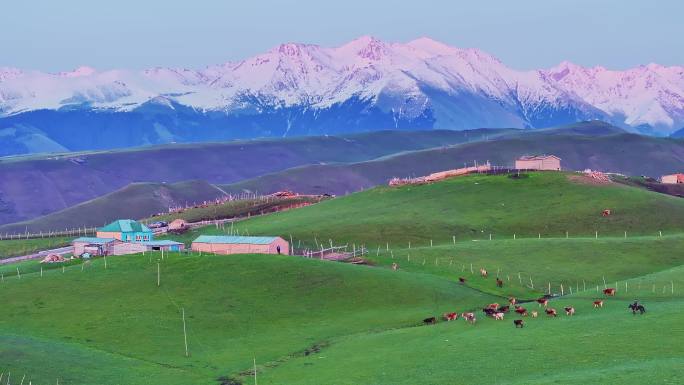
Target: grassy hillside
306	321
238	208
269	307
16	247
596	346
580	147
472	207
137	200
35	186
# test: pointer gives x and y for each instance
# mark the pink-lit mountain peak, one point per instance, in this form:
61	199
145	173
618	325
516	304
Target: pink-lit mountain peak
401	75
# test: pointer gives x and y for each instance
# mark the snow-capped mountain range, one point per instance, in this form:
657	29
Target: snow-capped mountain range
296	89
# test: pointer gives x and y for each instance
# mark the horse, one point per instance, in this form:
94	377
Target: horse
637	308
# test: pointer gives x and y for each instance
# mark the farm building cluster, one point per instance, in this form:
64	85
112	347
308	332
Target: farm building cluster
123	236
126	236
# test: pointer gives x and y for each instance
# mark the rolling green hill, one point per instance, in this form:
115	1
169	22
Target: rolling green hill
38	185
580	147
136	200
305	321
472	207
130	331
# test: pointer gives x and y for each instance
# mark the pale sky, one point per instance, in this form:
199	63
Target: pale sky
61	35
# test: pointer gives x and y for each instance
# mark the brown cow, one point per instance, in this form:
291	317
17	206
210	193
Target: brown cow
450	316
569	310
521	310
551	312
511	300
543	302
499	282
598	303
609	291
493	306
518	323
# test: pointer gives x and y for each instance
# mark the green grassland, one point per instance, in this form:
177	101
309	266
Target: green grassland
15	247
306	321
595	346
472	207
269	307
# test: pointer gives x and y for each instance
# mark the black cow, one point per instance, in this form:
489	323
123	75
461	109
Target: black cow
430	321
518	323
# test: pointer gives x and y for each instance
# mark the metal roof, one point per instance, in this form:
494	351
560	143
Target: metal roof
94	240
162	242
234	239
537	157
125	226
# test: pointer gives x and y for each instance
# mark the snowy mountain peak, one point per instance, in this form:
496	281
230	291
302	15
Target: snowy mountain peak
421	83
78	72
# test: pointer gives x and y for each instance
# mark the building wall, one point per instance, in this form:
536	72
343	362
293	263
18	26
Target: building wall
108	234
177	224
128	248
228	248
538	164
551	164
79	248
672	179
126	237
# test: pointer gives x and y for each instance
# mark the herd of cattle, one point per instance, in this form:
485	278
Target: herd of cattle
497	312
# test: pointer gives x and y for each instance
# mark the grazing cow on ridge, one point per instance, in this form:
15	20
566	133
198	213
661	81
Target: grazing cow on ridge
543	302
551	312
598	303
450	316
609	291
489	312
534	314
470	318
521	310
518	323
569	310
430	321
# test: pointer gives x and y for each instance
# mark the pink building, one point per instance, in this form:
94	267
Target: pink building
672	179
218	244
538	162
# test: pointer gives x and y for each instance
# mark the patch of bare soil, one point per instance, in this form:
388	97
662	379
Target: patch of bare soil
589	179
